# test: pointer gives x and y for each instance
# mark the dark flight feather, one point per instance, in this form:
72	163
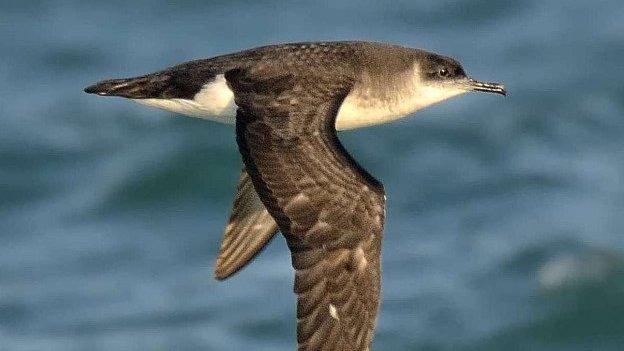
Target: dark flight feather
249	229
329	209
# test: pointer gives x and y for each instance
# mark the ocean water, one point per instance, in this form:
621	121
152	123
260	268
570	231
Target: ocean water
505	226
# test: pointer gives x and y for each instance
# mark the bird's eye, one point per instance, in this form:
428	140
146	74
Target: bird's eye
443	72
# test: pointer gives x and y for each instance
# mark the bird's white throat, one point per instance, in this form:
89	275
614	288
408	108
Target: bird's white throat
362	107
357	111
371	103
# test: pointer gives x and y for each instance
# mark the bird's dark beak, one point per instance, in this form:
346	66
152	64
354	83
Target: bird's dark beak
487	87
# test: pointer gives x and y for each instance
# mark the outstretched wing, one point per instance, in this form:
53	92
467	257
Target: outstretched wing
249	229
329	209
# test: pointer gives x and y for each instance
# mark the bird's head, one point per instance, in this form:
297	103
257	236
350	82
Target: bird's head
439	78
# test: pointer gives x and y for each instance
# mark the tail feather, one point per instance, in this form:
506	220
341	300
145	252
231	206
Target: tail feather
144	87
182	81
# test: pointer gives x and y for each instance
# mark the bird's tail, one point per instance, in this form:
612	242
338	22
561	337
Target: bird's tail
143	87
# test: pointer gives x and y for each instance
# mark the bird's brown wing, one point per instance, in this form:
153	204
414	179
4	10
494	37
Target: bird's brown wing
249	229
329	209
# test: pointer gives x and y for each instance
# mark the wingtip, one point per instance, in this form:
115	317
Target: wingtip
220	274
219	271
224	270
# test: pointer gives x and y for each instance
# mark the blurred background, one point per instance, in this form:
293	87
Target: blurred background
505	215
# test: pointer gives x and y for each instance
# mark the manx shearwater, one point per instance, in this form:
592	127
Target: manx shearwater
287	102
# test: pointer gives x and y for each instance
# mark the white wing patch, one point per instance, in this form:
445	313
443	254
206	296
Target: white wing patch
297	202
360	258
215	101
333	312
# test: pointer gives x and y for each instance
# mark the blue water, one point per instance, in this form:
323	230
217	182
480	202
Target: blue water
505	226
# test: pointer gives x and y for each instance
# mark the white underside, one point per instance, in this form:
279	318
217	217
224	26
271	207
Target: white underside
358	112
215	101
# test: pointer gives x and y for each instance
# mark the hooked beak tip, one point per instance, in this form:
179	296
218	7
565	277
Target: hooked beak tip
496	88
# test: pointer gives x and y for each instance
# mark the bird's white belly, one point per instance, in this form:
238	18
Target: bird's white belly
215	101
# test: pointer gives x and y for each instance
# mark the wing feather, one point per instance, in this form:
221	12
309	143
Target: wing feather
329	209
249	229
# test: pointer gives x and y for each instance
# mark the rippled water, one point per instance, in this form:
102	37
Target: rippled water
505	216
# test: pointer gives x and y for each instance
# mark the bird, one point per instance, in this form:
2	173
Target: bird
287	102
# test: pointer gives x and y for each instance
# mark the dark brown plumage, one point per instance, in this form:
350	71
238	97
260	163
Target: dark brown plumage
329	209
249	229
289	100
